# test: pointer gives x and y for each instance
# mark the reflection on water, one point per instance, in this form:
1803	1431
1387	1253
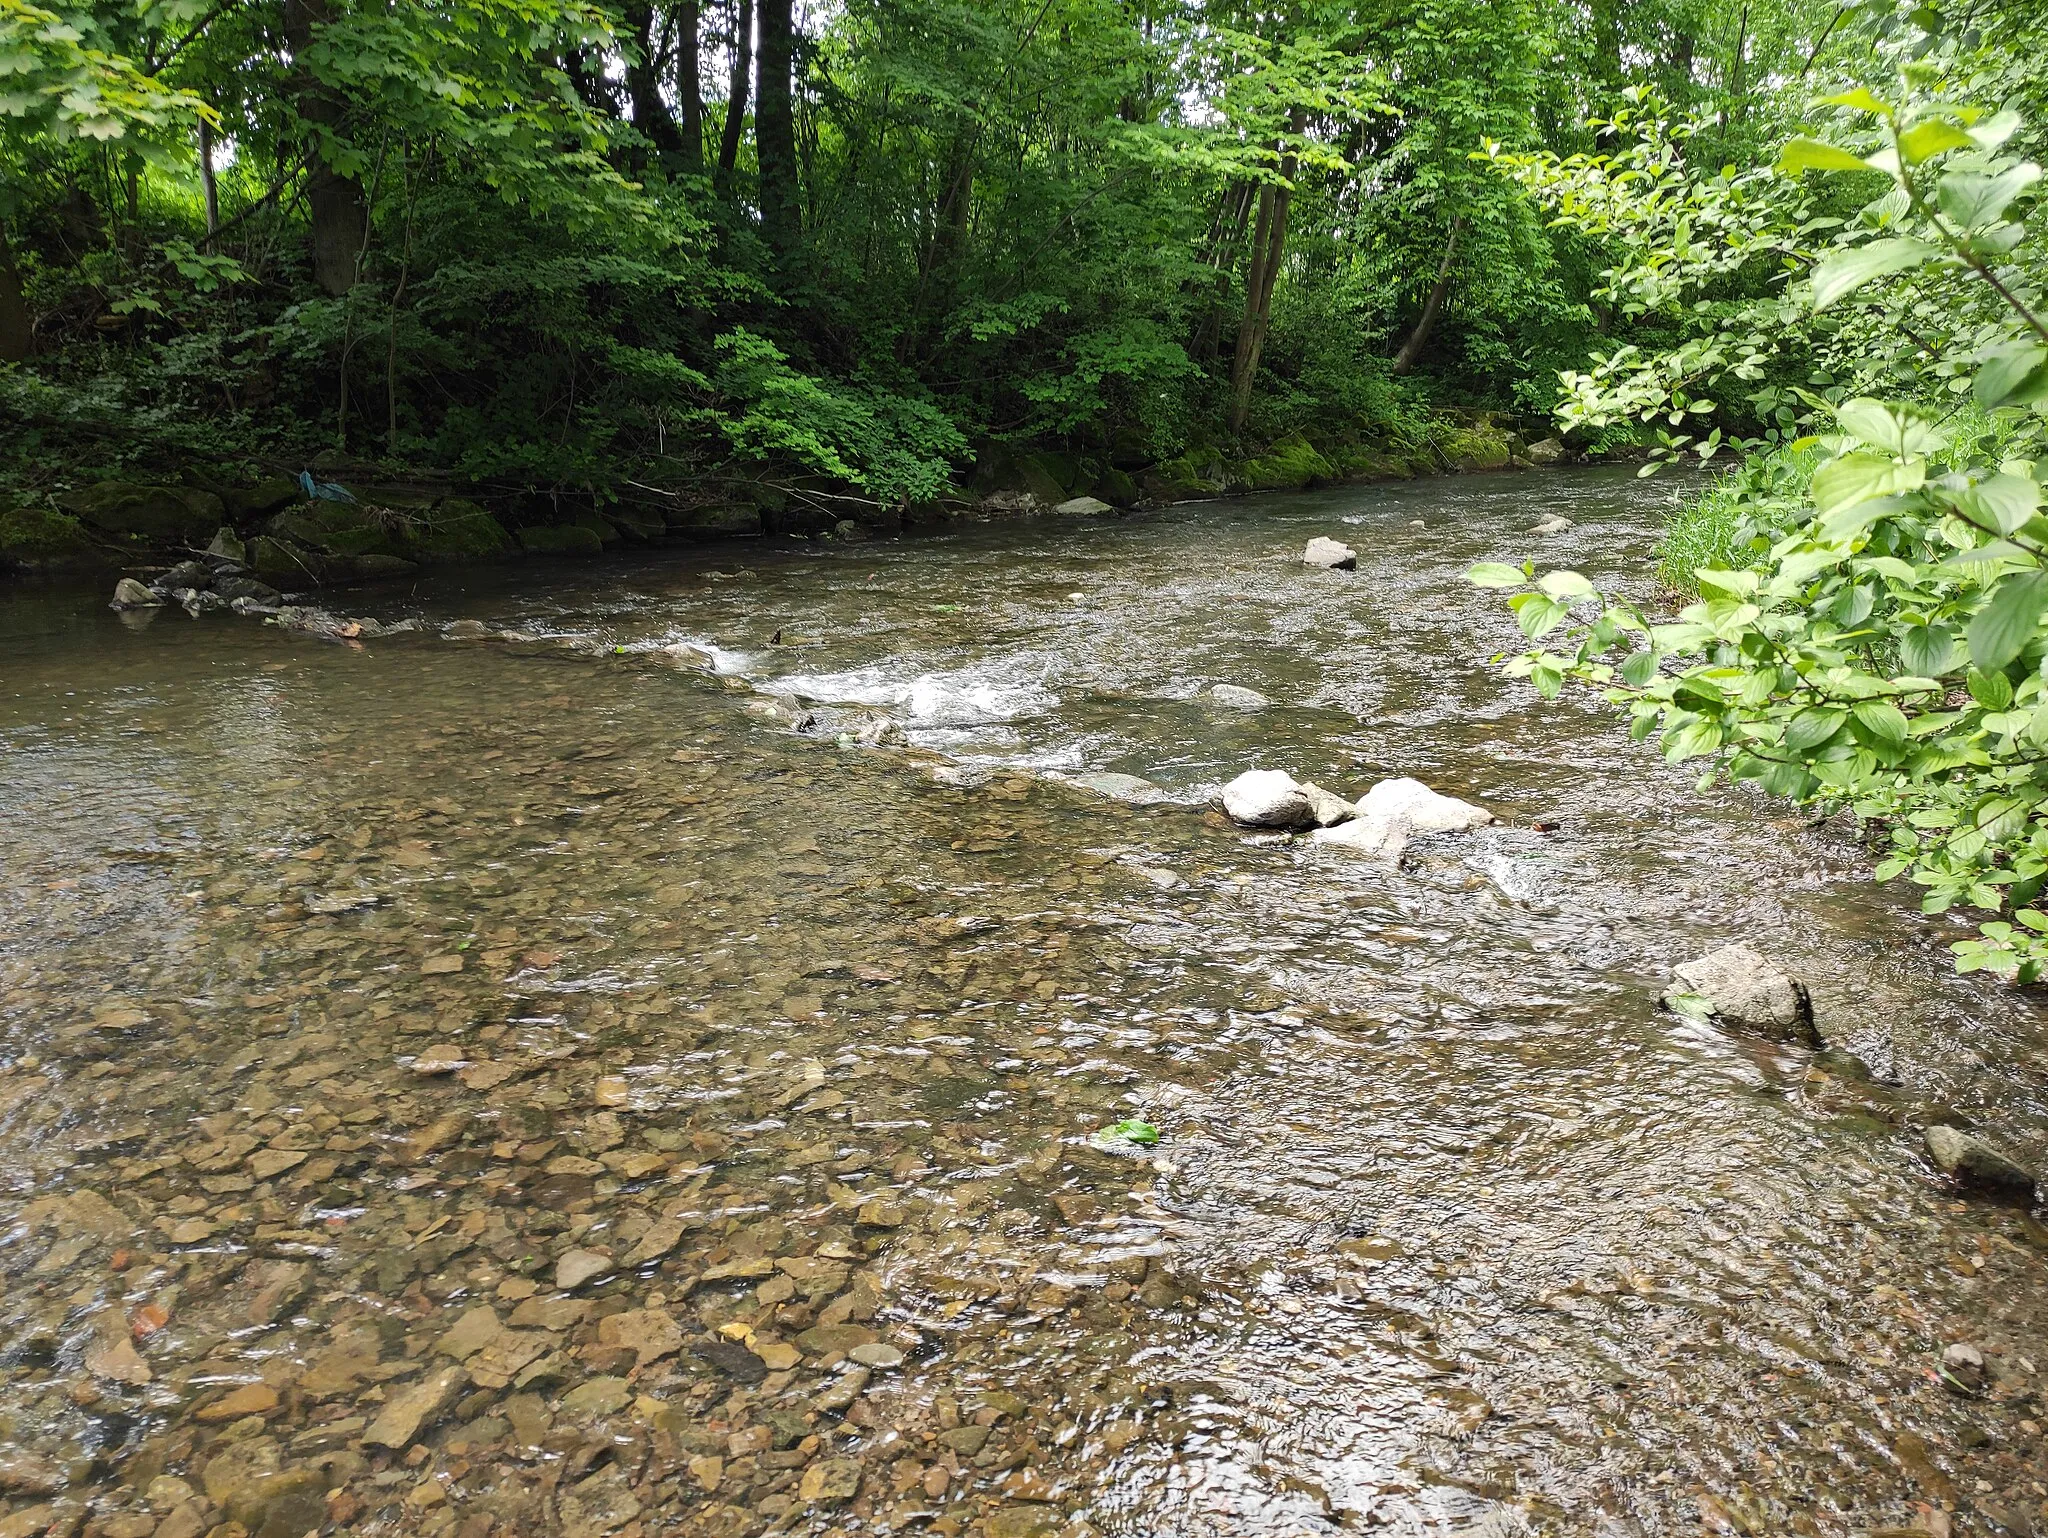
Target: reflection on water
463	1088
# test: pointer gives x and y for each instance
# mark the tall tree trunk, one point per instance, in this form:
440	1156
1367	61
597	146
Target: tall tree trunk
1411	350
335	201
1269	243
690	86
207	181
736	93
17	328
775	127
643	87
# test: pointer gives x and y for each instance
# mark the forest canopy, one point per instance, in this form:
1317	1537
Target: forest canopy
568	248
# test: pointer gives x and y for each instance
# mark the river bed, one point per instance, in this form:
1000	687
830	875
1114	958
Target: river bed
460	1087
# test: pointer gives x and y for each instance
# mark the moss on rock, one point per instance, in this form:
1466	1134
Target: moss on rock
1289	465
561	539
152	517
458	530
39	538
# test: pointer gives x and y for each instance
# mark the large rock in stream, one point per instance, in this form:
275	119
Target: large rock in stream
1330	554
1970	1161
1271	798
1394	811
1738	986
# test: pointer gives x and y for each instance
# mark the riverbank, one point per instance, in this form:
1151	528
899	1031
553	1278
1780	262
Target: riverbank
355	522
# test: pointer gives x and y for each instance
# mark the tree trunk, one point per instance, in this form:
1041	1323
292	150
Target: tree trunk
775	127
736	93
643	87
690	87
335	201
1411	350
17	328
207	181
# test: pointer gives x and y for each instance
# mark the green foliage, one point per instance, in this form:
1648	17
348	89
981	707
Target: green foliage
1874	634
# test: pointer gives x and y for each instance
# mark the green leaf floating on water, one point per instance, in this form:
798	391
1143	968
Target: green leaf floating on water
1141	1133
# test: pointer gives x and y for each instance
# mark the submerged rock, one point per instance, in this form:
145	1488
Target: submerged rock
1970	1161
1556	523
1084	507
1237	697
1737	986
1120	787
1545	452
130	594
1330	555
1268	798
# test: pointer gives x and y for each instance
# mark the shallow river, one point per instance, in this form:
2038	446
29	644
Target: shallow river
469	1087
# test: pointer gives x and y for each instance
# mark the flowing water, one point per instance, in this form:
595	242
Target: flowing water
469	1087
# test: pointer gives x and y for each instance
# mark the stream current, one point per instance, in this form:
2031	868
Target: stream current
482	1087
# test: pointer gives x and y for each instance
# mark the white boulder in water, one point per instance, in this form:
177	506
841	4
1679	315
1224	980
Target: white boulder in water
1421	809
1329	554
1268	798
1237	697
1738	986
1556	523
1326	806
1084	507
1394	811
130	594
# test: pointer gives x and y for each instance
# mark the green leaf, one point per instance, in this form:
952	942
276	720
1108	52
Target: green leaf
1852	479
1991	690
1538	614
1860	99
2003	626
1140	1133
2015	373
1973	199
1695	737
1841	275
1812	727
1882	719
2003	502
1924	140
1566	586
1804	154
1496	574
1927	650
1638	668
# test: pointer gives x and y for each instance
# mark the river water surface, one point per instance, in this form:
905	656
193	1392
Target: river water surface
471	1087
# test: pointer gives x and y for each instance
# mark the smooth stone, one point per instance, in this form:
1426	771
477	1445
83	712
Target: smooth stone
1083	507
1327	807
1238	697
284	1505
410	1411
1738	986
1329	554
579	1266
1545	452
1969	1160
130	594
1421	810
1556	523
1267	798
876	1354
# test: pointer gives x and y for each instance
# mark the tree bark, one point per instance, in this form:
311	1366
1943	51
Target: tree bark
207	180
1411	350
775	127
736	93
690	86
335	201
643	87
17	327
